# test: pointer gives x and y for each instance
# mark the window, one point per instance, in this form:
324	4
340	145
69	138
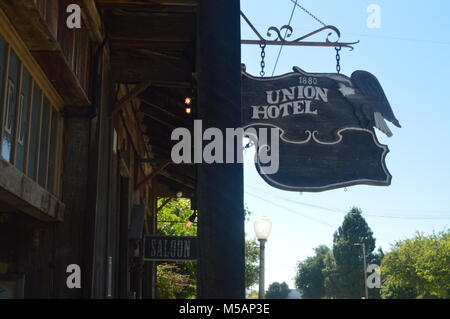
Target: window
34	132
9	120
11	104
53	147
43	148
23	113
29	124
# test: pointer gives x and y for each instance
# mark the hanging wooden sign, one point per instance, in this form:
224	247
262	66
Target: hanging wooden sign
326	124
170	248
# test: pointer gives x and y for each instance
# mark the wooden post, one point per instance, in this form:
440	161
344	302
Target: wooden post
221	264
70	235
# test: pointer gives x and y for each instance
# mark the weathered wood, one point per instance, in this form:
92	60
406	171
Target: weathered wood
327	142
147	107
157	171
156	27
70	235
93	21
25	195
127	69
138	89
176	178
63	78
221	265
28	21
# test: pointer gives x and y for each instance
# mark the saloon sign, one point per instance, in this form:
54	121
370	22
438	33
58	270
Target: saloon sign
167	248
326	125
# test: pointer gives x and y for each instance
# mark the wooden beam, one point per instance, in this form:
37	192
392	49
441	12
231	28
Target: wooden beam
148	178
146	107
177	179
93	21
135	3
29	23
131	95
25	195
155	27
157	119
131	69
66	83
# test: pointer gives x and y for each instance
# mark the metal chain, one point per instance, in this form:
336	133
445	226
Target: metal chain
309	13
263	55
338	59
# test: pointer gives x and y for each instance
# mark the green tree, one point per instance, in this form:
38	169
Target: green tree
251	263
170	282
176	280
172	218
277	291
310	276
251	258
347	278
418	268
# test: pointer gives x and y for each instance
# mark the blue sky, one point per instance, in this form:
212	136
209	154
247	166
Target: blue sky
410	55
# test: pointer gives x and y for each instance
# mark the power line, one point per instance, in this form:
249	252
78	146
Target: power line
309	13
340	211
290	210
285	33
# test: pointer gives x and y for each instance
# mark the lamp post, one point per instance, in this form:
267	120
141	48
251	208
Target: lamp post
363	245
263	227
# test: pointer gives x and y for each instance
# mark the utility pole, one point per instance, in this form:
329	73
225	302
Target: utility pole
363	245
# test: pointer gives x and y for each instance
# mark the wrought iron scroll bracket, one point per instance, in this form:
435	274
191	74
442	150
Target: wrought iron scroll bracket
279	39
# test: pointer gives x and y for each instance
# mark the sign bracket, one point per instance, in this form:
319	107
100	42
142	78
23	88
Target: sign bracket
281	40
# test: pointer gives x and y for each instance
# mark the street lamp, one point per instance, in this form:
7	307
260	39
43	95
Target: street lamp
263	227
363	245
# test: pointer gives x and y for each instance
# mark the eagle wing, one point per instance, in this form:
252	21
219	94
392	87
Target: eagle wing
368	85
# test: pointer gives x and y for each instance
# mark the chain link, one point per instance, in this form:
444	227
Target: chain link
338	59
263	55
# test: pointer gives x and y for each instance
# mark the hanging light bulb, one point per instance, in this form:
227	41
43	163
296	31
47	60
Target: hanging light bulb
187	103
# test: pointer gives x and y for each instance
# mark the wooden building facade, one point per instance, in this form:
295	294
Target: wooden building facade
86	116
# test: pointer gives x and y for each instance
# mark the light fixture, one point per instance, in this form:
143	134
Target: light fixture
179	194
263	227
187	103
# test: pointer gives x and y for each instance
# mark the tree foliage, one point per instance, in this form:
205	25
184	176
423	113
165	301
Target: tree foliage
418	268
310	277
171	277
339	272
251	263
277	291
176	280
170	282
348	275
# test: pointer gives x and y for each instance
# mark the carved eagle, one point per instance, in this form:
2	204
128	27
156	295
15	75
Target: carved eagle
365	93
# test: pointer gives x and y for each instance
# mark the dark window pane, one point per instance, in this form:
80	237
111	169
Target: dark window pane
43	149
34	132
24	101
11	104
2	72
52	154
